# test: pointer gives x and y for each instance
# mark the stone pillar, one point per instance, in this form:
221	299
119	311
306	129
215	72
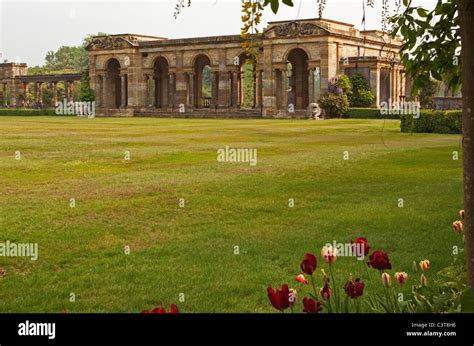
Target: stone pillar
254	83
235	89
311	85
191	90
259	89
103	92
215	85
5	96
375	85
98	91
171	90
13	93
284	90
54	91
38	93
123	90
150	92
25	94
66	91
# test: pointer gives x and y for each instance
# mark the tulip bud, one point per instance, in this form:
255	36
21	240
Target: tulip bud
329	254
401	277
414	266
425	265
461	213
458	227
423	280
386	280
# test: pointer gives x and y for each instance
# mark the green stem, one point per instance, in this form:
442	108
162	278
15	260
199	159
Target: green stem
336	296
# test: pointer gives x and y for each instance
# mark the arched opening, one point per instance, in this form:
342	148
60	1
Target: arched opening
247	82
203	82
161	82
297	79
113	90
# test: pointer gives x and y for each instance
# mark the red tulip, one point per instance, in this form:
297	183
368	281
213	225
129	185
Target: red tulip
308	266
379	260
362	245
302	279
280	299
353	288
311	306
461	213
325	291
162	310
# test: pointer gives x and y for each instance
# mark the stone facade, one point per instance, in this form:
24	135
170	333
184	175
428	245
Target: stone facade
143	75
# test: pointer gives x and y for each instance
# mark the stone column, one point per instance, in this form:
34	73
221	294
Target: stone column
191	90
98	91
54	91
235	89
38	93
215	84
13	93
25	94
375	85
171	90
254	82
284	89
66	90
123	89
311	85
260	89
2	94
149	89
103	92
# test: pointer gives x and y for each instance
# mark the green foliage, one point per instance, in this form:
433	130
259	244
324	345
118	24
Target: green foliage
275	4
335	106
431	43
449	122
426	94
343	82
86	93
361	94
368	113
26	112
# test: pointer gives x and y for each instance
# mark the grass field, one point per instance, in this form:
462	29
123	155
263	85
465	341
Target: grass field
190	250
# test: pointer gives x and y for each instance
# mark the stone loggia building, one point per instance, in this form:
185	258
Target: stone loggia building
143	75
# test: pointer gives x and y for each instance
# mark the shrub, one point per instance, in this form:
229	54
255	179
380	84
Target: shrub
368	113
334	106
449	122
26	112
361	94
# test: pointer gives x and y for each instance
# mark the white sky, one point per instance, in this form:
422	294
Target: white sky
30	28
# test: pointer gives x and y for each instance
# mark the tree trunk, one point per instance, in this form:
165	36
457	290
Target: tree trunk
466	16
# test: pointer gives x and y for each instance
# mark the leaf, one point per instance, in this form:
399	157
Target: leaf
467	301
422	12
288	3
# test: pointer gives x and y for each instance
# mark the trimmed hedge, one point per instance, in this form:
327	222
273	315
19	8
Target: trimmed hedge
27	112
433	122
368	113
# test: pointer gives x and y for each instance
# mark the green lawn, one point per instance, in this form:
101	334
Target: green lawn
191	250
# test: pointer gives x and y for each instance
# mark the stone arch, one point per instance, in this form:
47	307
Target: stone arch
113	87
201	70
297	78
160	82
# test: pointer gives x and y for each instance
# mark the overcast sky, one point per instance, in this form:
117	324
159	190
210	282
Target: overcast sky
30	28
